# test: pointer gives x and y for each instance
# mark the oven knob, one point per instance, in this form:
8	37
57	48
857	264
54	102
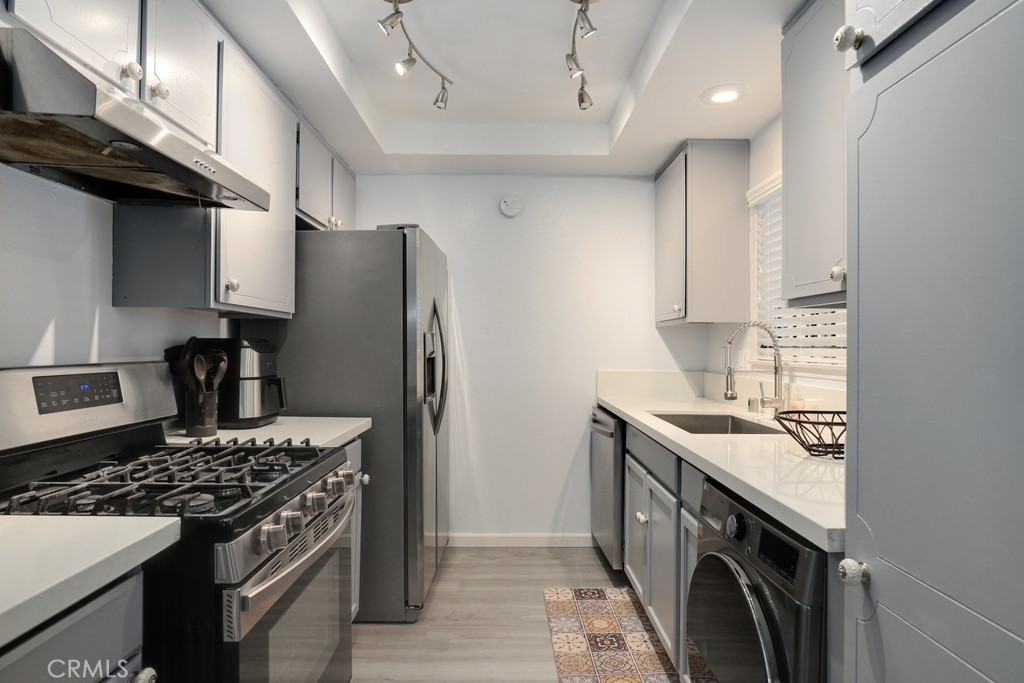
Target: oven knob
735	527
273	537
315	503
335	486
349	476
293	522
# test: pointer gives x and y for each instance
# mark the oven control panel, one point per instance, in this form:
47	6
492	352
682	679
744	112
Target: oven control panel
60	393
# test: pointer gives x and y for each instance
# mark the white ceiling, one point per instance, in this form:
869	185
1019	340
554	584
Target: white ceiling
512	108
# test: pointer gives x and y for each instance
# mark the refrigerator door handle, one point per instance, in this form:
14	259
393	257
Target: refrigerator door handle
442	401
429	367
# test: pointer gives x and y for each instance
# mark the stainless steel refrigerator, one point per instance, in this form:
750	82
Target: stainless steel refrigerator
370	338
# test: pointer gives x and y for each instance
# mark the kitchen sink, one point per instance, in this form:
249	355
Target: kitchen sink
712	423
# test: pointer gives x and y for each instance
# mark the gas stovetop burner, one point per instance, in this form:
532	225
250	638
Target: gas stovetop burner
190	503
212	478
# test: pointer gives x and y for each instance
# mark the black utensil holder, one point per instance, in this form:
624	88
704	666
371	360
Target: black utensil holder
200	413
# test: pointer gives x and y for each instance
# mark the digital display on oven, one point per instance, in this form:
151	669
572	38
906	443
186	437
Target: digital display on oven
779	555
60	393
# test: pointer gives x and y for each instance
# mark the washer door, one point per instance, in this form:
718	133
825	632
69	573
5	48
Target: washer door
726	622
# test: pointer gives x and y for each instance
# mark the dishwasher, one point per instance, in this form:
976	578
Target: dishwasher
607	462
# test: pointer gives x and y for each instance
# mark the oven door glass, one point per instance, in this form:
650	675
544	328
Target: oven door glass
306	636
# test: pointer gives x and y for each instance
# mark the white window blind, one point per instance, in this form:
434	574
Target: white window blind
806	335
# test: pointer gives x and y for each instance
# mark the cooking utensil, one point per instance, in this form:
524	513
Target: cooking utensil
199	368
217	365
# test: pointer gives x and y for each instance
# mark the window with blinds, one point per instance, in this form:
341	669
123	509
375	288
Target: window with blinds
806	335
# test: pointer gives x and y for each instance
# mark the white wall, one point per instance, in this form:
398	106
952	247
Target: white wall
541	302
55	270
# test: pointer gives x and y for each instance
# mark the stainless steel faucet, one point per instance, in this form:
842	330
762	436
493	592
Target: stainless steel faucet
775	401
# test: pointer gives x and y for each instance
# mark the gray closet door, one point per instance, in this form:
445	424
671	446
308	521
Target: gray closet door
935	467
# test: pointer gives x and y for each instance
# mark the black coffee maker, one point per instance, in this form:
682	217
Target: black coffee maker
250	393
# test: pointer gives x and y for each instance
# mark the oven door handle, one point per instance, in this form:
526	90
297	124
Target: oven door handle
245	606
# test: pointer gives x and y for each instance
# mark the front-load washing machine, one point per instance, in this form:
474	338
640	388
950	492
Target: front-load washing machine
756	601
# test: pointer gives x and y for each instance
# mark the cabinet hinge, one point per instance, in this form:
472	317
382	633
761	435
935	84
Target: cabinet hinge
296	191
298	134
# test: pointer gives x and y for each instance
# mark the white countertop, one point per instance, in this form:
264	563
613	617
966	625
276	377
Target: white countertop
321	431
774	473
62	559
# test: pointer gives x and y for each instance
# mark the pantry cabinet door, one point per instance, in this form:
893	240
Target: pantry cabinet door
257	249
934	496
104	34
182	53
881	21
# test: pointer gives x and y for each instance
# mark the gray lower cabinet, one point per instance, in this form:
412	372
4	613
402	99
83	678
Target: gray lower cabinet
935	151
651	560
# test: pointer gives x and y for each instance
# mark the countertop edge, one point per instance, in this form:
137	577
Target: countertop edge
830	538
50	600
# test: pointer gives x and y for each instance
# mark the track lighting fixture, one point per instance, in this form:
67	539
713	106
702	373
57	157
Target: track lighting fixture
575	70
585	27
403	67
389	22
441	101
583	98
397	19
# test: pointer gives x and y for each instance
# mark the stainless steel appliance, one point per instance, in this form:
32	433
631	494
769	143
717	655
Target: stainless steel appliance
258	588
370	337
607	463
251	394
756	601
57	123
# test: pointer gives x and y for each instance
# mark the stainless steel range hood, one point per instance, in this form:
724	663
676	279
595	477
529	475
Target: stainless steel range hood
58	124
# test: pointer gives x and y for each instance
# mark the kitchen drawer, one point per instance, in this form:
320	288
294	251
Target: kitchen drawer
663	464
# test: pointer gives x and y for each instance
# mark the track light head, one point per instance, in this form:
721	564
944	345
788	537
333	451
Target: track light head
587	28
403	67
583	98
389	22
575	70
441	101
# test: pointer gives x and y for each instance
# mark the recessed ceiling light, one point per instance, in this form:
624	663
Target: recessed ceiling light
724	94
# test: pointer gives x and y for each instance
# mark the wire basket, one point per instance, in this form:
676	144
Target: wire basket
820	432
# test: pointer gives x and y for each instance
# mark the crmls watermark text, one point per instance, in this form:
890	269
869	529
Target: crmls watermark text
71	669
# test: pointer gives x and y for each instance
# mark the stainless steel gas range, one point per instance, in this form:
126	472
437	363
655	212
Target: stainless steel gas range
259	587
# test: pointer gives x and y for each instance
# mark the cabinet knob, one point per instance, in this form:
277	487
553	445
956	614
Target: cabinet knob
853	573
677	307
641	517
232	284
160	91
848	37
365	479
837	274
147	675
132	70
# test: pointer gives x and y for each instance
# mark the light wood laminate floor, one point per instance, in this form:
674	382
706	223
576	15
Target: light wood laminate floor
484	619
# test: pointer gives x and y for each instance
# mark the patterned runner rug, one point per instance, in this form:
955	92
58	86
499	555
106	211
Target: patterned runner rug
601	635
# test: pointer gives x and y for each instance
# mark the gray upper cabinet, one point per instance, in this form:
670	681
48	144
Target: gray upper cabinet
702	234
103	34
182	58
257	250
314	199
326	196
880	21
343	193
814	88
933	501
236	262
